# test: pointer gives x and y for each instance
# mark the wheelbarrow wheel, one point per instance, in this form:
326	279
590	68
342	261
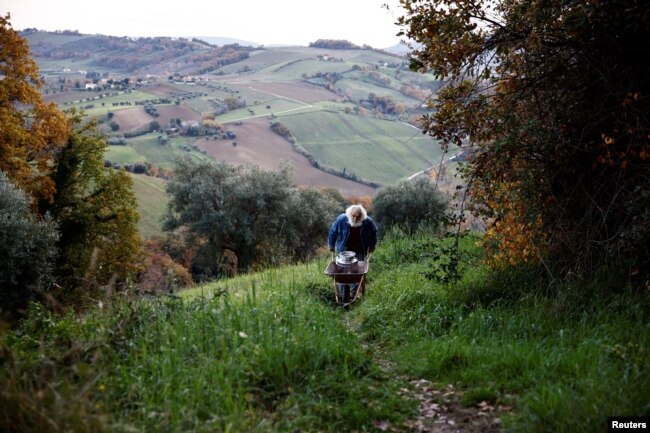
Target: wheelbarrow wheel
346	296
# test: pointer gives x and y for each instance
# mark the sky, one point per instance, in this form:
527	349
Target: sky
265	22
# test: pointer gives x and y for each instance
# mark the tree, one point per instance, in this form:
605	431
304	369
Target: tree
32	131
311	213
553	100
154	126
27	250
96	211
258	215
410	205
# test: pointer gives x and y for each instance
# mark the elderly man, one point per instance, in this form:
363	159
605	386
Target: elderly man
354	231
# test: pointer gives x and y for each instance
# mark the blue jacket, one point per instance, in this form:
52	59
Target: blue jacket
340	231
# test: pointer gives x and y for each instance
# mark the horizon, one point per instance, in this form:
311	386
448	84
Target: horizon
364	22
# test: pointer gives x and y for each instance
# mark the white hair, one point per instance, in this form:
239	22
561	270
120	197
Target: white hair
348	213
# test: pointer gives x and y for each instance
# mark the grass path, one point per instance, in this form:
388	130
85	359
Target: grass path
439	408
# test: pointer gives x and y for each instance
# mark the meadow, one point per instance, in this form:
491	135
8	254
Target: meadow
152	202
271	352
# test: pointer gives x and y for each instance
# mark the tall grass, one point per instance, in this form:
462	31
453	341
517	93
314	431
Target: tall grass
152	202
270	352
254	357
565	356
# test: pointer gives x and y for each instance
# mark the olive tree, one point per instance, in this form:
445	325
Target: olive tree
258	215
410	204
27	249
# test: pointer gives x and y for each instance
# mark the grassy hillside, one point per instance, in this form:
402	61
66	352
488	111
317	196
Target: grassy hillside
309	90
152	203
147	147
270	352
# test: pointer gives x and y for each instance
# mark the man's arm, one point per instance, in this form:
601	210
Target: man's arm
373	235
333	234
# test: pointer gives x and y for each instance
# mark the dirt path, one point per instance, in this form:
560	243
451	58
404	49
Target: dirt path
439	406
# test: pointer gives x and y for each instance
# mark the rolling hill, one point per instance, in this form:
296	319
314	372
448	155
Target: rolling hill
349	113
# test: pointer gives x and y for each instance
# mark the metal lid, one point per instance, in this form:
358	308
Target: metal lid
346	258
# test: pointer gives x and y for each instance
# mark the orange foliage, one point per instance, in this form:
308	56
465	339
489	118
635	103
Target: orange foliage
32	131
161	274
516	235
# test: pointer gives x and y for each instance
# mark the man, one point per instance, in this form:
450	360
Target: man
354	231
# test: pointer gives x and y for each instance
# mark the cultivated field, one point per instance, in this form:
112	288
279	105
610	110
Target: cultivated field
255	145
136	119
320	95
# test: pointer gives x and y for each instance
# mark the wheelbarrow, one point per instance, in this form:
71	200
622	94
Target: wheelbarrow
349	278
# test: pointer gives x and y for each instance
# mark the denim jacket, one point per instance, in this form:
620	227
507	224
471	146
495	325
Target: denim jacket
340	231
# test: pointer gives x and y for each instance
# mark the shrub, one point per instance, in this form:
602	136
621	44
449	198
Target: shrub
27	250
409	204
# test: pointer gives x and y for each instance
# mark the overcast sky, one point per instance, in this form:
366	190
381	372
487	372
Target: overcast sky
267	22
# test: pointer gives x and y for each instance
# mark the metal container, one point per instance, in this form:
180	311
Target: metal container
346	258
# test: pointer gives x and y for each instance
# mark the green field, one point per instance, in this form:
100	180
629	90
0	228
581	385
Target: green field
295	71
359	90
152	202
373	149
123	155
263	59
102	103
147	148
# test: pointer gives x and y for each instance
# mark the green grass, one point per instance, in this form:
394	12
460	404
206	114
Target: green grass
123	154
565	357
259	108
149	149
258	354
295	70
107	98
265	59
269	352
359	87
152	202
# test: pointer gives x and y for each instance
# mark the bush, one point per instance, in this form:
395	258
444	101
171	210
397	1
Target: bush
410	204
27	250
116	141
258	215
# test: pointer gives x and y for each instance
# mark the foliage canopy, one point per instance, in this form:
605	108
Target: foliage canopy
27	249
96	211
553	100
31	130
258	215
409	205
